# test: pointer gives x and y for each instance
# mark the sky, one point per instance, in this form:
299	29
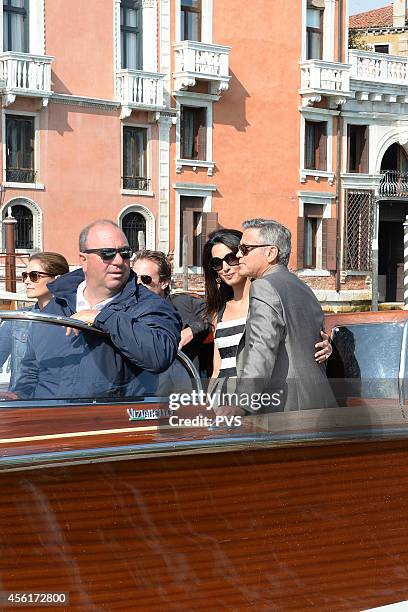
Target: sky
359	6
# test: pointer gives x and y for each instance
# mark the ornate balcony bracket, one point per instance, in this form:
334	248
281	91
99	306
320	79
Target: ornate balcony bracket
310	100
125	112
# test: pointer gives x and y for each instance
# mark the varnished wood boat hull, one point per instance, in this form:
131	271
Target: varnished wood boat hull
297	528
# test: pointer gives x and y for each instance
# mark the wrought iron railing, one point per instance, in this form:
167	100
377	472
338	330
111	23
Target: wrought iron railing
20	175
394	184
138	183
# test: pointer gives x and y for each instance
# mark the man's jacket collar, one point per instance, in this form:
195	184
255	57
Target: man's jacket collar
65	288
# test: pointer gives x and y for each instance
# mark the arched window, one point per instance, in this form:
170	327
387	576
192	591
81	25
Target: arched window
134	227
24	226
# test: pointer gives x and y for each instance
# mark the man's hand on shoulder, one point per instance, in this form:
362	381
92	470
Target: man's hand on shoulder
186	337
86	316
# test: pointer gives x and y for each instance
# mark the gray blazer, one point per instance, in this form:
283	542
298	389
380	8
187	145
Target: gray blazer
276	353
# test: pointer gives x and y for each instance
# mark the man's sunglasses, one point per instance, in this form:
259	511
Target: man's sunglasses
247	248
33	276
230	259
109	254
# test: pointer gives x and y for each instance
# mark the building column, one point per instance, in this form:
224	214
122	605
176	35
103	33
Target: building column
166	122
406	263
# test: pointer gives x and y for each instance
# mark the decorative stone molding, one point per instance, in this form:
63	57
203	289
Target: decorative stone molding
37	220
82	101
150	222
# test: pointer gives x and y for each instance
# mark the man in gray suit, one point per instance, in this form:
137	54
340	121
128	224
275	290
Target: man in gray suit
284	321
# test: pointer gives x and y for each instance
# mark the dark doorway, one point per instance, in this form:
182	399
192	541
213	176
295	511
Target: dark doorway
391	251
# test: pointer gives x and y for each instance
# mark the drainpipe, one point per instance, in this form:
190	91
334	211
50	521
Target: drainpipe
339	135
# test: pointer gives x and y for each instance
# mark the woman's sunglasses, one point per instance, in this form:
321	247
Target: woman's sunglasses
108	254
230	259
146	279
33	276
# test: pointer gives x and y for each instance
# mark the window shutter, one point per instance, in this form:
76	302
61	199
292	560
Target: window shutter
329	244
322	165
364	148
300	242
188	230
209	224
201	118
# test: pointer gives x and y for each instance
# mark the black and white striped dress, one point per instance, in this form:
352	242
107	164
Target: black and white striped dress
227	337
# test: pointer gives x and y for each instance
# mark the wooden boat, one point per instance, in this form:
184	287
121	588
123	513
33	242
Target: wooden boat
289	511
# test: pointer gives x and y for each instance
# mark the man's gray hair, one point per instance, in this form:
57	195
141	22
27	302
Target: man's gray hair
272	232
83	236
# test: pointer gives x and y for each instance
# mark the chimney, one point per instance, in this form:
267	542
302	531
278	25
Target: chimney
399	8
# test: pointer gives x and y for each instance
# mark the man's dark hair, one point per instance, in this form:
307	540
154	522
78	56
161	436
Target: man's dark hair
163	264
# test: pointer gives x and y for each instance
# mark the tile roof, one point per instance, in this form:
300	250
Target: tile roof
378	18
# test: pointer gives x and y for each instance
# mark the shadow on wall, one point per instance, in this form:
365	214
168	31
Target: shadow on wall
233	111
57	85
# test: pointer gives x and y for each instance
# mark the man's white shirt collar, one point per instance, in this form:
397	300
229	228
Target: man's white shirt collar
82	304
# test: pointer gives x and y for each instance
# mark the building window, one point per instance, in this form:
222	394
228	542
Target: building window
191	230
20	149
312	226
131	34
357	137
134	228
382	48
190	26
314	33
24	226
358	230
193	132
15	25
135	159
316	145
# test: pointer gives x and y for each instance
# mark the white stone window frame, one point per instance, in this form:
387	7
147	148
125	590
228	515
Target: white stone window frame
195	191
149	36
198	101
36	117
150	222
317	115
37	213
137	192
329	24
356	120
206	21
36	27
327	200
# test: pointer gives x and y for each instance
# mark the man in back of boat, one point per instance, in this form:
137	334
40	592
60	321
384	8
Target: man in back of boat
141	331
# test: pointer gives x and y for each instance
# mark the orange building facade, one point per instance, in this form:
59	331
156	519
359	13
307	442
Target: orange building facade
174	117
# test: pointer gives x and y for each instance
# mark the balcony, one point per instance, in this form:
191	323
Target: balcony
136	183
137	89
197	61
379	77
24	74
393	184
320	78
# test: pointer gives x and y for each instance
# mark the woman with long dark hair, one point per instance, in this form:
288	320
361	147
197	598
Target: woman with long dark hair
228	301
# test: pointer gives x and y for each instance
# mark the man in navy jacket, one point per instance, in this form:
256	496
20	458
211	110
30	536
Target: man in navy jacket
143	331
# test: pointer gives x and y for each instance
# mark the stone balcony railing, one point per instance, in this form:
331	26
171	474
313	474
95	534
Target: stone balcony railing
378	67
320	78
25	74
139	89
197	61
